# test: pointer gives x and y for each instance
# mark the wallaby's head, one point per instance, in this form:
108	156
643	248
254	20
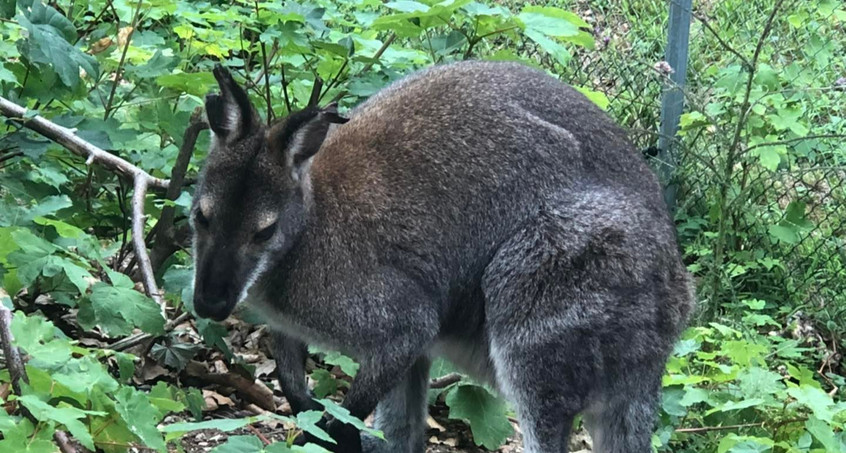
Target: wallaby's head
249	206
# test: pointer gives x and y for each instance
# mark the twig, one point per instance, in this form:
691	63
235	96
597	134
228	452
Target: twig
369	65
445	381
134	25
793	140
258	434
266	70
128	342
138	222
705	429
285	90
63	442
733	154
254	391
10	156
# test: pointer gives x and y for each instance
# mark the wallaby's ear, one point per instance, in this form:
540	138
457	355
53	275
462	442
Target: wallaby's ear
300	136
230	114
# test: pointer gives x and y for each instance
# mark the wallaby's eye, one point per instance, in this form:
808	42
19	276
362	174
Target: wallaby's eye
265	233
200	219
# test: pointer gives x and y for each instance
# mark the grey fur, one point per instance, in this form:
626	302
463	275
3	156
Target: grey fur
480	210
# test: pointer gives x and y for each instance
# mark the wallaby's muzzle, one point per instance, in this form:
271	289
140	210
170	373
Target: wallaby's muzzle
215	294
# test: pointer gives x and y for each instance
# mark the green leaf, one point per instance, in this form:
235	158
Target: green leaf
672	398
307	421
347	365
485	413
769	157
176	355
407	6
223	424
550	21
756	382
84	374
65	415
325	383
824	433
23	438
164	398
140	416
196	83
65	230
48	44
343	415
37	337
816	400
784	233
240	444
597	97
118	310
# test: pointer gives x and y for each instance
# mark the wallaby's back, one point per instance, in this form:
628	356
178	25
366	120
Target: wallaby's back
448	162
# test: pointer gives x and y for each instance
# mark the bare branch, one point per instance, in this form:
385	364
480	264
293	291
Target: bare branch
76	145
317	87
138	220
63	442
134	340
134	26
445	381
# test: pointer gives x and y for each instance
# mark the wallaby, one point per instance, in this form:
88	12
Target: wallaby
483	211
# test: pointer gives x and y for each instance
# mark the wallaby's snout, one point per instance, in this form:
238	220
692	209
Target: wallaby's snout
215	295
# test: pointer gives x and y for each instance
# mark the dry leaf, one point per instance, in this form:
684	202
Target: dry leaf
214	400
100	45
433	424
123	36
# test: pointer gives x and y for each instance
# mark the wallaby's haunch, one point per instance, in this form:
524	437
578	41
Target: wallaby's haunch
479	210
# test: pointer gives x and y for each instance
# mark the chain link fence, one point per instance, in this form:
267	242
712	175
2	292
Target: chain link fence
756	175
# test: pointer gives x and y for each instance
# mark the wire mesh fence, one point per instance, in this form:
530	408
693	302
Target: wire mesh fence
759	163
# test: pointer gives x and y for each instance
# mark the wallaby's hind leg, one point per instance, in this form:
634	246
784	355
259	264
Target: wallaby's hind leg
401	415
578	313
623	421
548	376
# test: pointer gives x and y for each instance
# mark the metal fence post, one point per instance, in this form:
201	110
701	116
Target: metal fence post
672	102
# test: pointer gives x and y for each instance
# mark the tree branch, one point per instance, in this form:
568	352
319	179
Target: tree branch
76	145
445	381
138	221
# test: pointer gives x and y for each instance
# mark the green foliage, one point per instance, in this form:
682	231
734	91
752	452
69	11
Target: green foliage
719	376
484	411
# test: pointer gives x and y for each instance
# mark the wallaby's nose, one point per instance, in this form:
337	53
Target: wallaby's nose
214	308
214	300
